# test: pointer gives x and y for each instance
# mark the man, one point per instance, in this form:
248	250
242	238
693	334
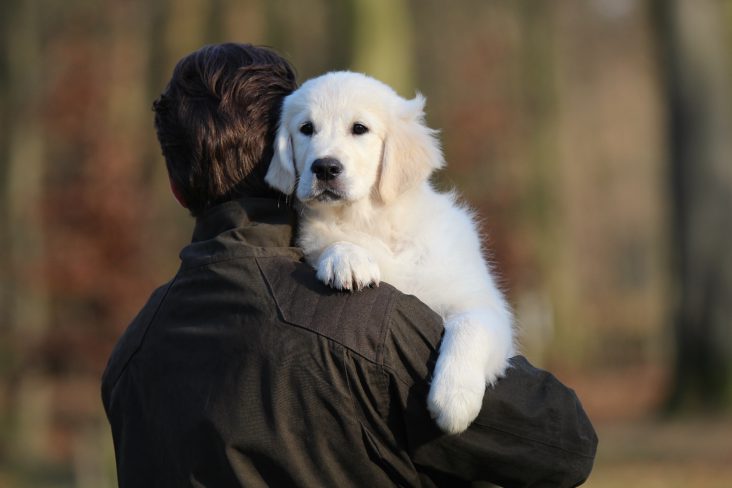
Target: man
244	370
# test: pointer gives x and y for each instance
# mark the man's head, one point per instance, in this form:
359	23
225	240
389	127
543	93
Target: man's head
216	121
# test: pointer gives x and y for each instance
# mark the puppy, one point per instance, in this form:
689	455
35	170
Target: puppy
358	159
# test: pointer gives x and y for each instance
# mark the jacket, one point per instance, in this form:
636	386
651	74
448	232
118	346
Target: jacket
245	370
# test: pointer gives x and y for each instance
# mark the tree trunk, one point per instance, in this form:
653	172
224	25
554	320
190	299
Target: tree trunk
25	313
383	43
693	37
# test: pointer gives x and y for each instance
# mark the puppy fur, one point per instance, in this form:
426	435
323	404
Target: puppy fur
369	213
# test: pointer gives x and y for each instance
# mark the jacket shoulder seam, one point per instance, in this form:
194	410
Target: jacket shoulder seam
131	357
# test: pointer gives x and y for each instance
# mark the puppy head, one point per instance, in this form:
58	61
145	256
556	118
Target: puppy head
344	137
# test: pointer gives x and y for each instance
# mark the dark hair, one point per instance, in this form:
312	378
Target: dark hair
216	121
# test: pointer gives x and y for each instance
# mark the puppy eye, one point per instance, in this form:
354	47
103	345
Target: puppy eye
307	129
359	129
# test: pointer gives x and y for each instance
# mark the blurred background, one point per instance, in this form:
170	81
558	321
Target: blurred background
592	136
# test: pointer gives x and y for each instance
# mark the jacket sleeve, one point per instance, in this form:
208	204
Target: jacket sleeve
531	431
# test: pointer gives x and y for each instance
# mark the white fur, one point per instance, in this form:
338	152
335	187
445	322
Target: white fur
384	221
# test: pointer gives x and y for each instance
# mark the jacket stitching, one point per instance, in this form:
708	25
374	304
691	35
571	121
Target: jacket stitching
144	334
538	441
305	327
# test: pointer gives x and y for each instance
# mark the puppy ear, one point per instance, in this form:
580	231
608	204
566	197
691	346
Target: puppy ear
281	172
411	151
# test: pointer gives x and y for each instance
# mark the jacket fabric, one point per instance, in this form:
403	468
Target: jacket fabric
245	370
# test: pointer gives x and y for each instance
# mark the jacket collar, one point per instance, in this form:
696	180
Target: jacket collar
264	222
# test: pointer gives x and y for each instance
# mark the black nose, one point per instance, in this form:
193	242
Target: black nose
326	168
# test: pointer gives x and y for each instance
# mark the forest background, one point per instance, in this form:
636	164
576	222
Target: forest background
593	137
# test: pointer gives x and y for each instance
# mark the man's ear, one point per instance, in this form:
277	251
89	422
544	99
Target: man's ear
411	151
177	193
281	173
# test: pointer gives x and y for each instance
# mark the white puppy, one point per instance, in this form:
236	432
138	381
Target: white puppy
358	158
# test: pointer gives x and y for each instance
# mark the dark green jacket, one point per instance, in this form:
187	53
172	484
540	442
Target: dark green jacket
244	370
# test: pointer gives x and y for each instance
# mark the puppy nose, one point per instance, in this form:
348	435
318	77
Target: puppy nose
326	168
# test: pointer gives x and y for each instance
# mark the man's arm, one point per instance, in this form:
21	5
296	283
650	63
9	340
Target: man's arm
531	430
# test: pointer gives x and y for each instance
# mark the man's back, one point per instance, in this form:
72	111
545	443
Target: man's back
245	370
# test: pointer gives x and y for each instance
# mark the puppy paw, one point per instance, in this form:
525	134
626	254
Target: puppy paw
346	266
456	396
474	353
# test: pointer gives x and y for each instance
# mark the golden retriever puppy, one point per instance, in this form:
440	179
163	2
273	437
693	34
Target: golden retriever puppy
358	159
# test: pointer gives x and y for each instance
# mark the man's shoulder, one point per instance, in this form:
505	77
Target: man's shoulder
131	340
362	321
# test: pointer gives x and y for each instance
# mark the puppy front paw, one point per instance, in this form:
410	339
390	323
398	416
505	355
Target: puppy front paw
346	266
456	395
474	353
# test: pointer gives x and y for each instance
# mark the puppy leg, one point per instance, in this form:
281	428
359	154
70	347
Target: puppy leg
347	266
474	351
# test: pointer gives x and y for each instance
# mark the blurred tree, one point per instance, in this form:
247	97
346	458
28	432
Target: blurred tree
316	36
694	38
23	170
546	297
606	199
26	304
383	42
